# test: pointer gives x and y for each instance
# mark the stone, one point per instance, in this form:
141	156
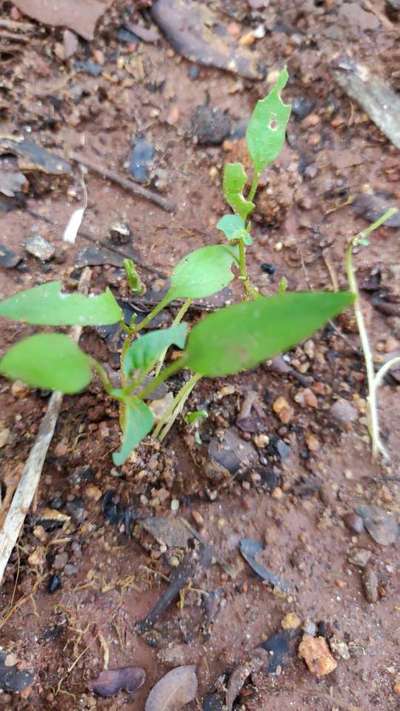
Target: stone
370	585
317	655
40	248
283	410
344	413
291	621
359	557
60	561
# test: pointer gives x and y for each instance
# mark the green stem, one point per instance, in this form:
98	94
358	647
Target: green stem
253	187
169	417
250	292
161	377
101	372
158	307
178	318
373	415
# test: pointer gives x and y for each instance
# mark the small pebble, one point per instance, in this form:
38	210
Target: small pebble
370	585
54	584
261	440
291	621
343	412
360	557
353	522
39	248
210	125
339	648
283	410
60	561
317	656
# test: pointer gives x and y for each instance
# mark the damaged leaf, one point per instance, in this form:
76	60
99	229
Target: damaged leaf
265	134
235	179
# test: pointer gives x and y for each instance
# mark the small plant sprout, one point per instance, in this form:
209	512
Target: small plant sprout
373	380
230	340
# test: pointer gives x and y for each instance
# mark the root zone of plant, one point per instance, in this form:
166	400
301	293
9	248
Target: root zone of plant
309	473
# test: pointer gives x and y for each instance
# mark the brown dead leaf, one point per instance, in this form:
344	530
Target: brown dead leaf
111	681
176	689
81	17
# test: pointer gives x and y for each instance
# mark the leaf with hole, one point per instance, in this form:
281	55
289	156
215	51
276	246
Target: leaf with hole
239	337
202	272
50	361
136	422
266	130
234	228
47	305
235	179
146	349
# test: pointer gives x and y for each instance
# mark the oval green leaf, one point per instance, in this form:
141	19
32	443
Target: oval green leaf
50	361
47	305
239	337
148	348
266	130
235	179
137	421
202	272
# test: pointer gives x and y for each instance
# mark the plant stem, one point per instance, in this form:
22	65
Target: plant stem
158	307
166	373
178	318
373	415
244	275
101	372
169	417
250	292
253	187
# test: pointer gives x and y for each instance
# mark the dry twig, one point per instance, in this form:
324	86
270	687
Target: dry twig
124	183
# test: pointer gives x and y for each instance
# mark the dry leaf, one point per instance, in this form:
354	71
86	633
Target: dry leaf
111	681
174	690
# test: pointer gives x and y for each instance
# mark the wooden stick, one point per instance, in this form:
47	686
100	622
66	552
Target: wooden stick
30	477
123	182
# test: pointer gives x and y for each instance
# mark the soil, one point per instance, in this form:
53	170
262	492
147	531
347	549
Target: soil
307	474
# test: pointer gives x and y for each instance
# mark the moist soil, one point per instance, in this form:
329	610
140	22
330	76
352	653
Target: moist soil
308	468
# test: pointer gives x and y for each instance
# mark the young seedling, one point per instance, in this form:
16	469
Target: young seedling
230	340
373	380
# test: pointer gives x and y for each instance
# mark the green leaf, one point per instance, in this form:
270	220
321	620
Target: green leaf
134	281
202	272
146	349
46	305
235	179
194	417
50	361
137	421
266	130
239	337
234	229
